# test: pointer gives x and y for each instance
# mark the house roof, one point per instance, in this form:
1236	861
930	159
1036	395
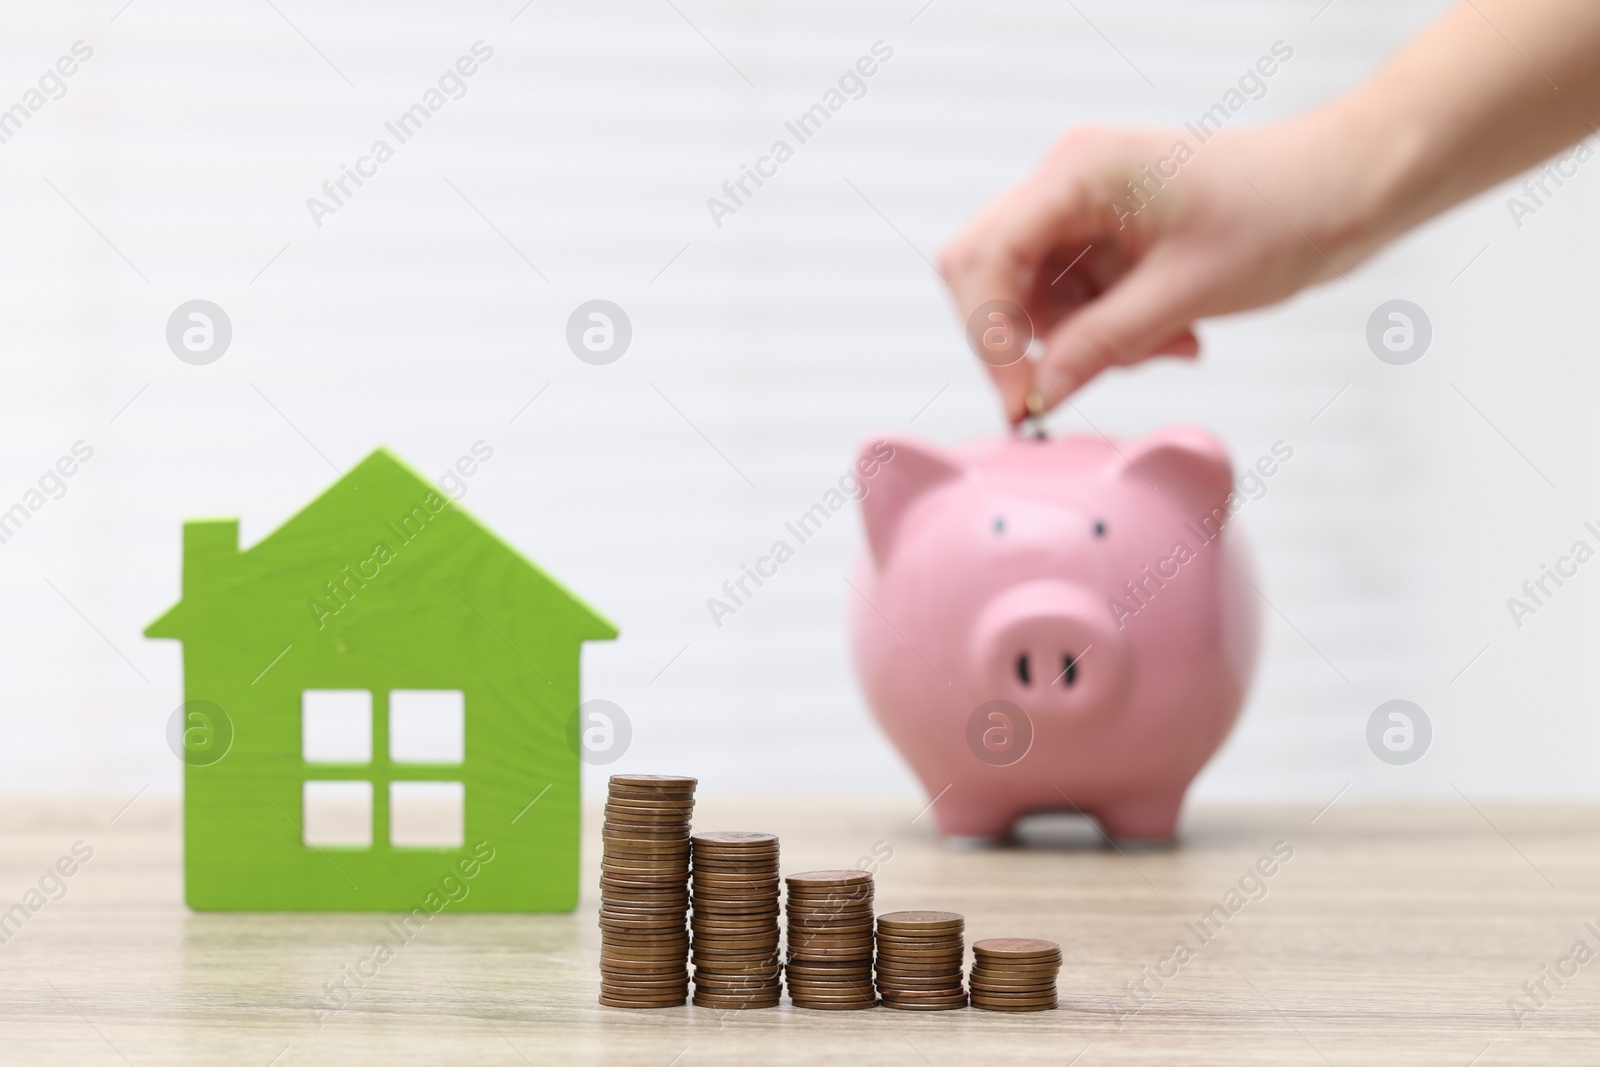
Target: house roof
381	498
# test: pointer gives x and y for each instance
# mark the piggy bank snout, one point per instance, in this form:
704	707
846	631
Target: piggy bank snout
1049	648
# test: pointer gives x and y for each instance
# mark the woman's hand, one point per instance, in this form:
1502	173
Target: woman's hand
1120	240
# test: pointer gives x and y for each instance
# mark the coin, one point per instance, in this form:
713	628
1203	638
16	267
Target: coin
1031	974
744	957
732	941
641	878
612	1001
766	929
939	940
680	783
917	955
625	889
749	874
1039	1005
1016	948
1019	974
892	966
1042	989
824	968
749	977
804	921
668	953
836	928
958	1002
630	867
750	877
646	854
657	968
955	997
827	939
734	925
733	901
1003	996
920	923
827	879
755	971
832	1005
652	810
857	991
767	999
861	983
918	981
639	913
748	984
736	839
843	897
615	916
621	938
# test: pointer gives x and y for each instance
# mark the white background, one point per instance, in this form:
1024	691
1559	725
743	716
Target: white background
178	165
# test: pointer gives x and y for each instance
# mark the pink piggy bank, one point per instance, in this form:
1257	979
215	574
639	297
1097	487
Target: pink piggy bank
1054	624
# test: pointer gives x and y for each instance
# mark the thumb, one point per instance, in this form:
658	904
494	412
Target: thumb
1140	316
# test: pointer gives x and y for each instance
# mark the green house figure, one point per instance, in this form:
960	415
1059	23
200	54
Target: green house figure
380	710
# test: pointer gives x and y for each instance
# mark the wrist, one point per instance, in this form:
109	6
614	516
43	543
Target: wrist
1374	171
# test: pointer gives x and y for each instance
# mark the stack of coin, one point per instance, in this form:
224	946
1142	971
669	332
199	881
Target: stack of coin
735	922
830	939
644	891
919	960
1014	974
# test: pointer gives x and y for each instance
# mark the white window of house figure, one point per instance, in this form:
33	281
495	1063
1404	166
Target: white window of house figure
427	814
427	726
336	726
338	813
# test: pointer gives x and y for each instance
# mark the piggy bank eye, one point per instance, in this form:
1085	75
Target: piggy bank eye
1099	528
999	524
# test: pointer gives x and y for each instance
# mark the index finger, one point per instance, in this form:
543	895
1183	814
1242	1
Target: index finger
990	266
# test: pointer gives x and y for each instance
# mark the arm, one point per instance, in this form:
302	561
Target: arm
1250	218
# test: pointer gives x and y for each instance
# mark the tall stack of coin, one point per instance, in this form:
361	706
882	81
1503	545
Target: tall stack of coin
920	954
644	891
735	921
1014	974
830	939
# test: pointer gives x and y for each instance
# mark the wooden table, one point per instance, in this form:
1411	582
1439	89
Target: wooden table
1391	935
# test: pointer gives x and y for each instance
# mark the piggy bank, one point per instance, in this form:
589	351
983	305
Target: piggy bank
1048	625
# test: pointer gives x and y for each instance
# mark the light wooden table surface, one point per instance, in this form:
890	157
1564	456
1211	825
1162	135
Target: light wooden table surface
1392	935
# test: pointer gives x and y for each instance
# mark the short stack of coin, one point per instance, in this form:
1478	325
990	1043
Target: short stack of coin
644	891
735	920
920	954
829	917
1014	974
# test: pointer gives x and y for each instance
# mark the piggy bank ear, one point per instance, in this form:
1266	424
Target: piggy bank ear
896	472
1190	464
